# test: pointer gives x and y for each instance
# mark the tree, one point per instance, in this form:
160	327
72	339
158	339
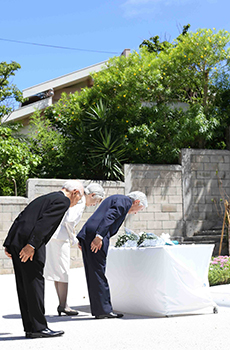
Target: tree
9	93
17	162
153	44
153	104
193	65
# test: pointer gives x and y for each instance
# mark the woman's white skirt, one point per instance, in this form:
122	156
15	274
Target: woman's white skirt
57	264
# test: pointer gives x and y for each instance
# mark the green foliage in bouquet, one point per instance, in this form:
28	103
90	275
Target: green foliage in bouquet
146	236
143	236
219	271
124	238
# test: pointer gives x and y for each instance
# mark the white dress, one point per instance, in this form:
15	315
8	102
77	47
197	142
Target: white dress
58	248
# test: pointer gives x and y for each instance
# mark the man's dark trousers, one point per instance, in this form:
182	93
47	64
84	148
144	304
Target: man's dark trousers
30	288
97	283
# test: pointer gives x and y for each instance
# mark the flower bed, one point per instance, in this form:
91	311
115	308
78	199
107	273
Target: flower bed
219	270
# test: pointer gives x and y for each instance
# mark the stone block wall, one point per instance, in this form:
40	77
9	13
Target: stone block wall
10	207
206	180
163	186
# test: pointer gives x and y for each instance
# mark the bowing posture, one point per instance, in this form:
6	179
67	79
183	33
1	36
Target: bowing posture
25	244
94	242
58	249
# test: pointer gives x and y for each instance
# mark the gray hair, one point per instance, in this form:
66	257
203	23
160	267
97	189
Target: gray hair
137	195
95	188
71	185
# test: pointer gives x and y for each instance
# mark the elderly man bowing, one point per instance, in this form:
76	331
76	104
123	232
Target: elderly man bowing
25	244
94	242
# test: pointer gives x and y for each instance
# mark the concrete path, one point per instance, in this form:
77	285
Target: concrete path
196	332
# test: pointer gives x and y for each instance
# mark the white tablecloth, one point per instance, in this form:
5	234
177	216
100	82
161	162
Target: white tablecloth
160	281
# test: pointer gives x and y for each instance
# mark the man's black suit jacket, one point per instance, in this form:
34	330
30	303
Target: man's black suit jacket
36	224
106	220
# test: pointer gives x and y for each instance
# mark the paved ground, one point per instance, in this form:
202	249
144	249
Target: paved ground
196	332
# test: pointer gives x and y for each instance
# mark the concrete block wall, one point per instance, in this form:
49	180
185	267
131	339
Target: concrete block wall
206	178
10	207
163	186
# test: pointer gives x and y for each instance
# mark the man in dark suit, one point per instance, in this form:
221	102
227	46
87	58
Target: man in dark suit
25	244
94	243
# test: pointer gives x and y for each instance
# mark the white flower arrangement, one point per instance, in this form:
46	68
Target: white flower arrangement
143	239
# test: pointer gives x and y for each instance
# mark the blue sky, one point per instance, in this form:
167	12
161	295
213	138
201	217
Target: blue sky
107	26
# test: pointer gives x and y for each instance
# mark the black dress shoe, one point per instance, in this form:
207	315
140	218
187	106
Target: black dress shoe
28	334
67	311
44	333
110	315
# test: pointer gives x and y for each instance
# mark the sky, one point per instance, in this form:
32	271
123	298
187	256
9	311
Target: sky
90	32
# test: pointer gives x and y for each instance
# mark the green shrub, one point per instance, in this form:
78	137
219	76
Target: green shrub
17	163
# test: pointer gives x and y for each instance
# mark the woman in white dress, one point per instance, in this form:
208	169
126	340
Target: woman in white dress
58	248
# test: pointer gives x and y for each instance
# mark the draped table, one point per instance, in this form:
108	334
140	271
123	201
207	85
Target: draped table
160	281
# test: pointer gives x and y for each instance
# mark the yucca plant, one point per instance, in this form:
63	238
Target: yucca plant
107	154
97	117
